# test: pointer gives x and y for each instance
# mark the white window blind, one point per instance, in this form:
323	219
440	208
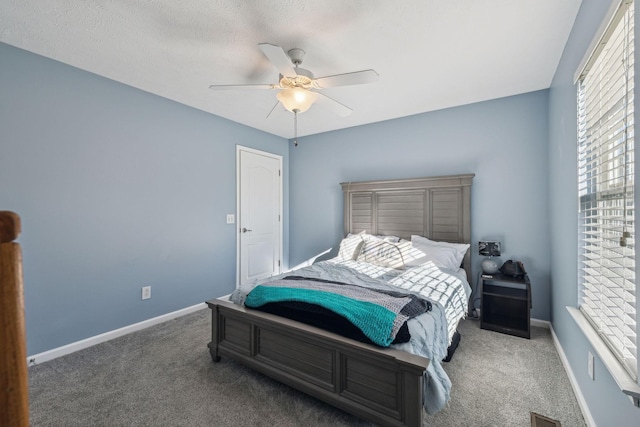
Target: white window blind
606	264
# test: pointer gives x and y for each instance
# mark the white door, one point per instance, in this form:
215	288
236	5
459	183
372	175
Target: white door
259	222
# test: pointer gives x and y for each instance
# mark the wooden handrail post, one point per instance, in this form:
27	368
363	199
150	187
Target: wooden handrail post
14	395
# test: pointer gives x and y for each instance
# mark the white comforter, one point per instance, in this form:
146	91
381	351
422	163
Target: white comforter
431	332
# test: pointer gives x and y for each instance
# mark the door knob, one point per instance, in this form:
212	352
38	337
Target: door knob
244	229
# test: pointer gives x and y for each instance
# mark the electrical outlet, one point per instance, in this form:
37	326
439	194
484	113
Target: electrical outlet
231	218
146	292
590	365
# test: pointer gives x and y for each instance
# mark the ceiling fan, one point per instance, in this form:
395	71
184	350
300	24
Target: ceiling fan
298	88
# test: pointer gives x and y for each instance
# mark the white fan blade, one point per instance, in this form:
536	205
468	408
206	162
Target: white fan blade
256	86
279	58
354	78
337	107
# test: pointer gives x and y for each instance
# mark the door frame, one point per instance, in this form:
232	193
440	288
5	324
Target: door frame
239	149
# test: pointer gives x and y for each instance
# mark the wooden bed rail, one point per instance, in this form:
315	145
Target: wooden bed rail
14	397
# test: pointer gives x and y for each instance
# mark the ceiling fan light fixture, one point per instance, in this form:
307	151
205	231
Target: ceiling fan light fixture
296	99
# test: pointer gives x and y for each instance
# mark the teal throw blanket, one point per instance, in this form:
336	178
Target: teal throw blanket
375	321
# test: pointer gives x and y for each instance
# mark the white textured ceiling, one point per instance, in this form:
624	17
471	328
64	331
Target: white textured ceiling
430	54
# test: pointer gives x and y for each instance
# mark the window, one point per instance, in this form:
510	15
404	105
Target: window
606	236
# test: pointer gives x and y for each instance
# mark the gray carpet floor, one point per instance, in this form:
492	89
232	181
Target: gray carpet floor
164	376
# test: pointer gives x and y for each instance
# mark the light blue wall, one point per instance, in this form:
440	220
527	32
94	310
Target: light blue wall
503	142
117	189
607	404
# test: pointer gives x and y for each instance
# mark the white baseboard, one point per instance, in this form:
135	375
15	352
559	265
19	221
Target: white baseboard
541	323
588	419
97	339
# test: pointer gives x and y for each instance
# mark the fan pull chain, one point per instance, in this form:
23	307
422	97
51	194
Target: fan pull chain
295	128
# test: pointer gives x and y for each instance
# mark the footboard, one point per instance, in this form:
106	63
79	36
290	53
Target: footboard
381	385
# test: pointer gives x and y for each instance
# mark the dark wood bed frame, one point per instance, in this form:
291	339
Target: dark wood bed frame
383	385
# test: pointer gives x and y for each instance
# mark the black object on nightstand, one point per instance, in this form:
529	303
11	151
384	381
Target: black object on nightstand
505	304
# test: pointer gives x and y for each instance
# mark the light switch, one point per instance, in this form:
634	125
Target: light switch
231	218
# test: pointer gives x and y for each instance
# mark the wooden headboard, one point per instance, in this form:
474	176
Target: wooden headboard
438	208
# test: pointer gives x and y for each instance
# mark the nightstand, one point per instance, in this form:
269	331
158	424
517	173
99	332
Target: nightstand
505	304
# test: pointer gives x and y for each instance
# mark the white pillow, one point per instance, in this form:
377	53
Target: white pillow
382	253
441	256
411	256
392	239
350	247
457	249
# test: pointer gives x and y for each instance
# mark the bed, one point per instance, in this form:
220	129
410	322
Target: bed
387	385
